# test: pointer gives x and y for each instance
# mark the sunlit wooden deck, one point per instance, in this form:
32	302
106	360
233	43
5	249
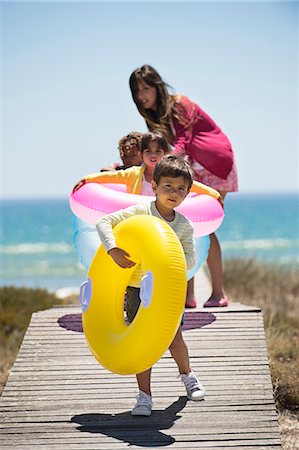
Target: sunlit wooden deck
59	397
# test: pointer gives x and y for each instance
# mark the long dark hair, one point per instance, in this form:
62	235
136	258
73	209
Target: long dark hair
160	119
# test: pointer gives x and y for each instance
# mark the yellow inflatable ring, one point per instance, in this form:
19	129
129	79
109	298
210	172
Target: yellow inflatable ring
130	349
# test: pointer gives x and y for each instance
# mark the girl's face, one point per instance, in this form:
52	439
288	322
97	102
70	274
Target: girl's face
152	155
146	96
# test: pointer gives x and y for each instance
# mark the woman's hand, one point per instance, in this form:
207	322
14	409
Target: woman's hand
79	184
121	257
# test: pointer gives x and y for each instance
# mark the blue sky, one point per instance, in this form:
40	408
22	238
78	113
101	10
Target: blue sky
66	100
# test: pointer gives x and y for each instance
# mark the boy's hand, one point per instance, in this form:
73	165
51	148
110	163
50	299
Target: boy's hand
121	257
79	184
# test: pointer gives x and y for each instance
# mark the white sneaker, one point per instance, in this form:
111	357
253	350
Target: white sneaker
194	388
143	405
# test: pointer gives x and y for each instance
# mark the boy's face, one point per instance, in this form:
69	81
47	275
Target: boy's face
131	154
152	155
170	192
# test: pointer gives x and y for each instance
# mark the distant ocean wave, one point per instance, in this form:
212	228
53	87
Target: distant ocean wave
273	251
36	248
42	268
259	244
64	248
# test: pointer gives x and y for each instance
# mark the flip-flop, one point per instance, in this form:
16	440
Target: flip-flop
216	303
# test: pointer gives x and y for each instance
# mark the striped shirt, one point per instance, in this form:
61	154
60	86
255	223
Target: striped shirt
180	225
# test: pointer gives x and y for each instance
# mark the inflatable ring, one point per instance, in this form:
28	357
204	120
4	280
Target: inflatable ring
94	200
130	349
86	241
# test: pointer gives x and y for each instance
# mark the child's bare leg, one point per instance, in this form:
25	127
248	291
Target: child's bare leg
144	402
190	299
179	352
144	381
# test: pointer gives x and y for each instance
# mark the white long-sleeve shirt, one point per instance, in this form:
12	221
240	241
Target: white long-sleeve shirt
180	225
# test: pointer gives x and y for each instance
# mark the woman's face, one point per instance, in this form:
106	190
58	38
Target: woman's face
146	96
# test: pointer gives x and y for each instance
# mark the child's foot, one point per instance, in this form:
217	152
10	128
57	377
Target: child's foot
143	405
190	303
194	388
212	302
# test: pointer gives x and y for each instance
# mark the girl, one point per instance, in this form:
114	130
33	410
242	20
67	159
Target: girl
195	135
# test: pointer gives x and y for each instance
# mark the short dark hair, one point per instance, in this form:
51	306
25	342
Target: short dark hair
154	137
173	166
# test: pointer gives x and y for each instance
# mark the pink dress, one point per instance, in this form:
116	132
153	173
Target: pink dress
208	149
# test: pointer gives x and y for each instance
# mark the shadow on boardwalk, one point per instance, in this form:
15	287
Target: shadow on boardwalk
193	320
143	431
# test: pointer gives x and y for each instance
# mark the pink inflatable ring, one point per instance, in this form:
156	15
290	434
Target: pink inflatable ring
94	200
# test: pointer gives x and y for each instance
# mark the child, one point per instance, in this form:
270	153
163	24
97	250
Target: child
172	180
153	147
194	135
129	152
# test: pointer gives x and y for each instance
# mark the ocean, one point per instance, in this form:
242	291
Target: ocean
36	248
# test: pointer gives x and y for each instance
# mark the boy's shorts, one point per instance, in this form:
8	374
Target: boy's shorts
133	302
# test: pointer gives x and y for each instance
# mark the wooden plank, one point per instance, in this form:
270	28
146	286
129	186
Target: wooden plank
58	393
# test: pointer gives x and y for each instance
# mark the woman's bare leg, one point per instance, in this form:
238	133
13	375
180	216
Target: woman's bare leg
214	262
190	298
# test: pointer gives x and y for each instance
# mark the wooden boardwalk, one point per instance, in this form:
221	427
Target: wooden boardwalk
59	397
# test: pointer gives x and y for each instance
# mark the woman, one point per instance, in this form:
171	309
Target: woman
194	134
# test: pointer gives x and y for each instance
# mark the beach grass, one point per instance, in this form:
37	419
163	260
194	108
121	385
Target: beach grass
275	289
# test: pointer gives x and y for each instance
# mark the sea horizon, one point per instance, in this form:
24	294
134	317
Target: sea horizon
236	194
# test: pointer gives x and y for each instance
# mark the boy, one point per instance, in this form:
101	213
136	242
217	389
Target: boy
172	180
129	152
